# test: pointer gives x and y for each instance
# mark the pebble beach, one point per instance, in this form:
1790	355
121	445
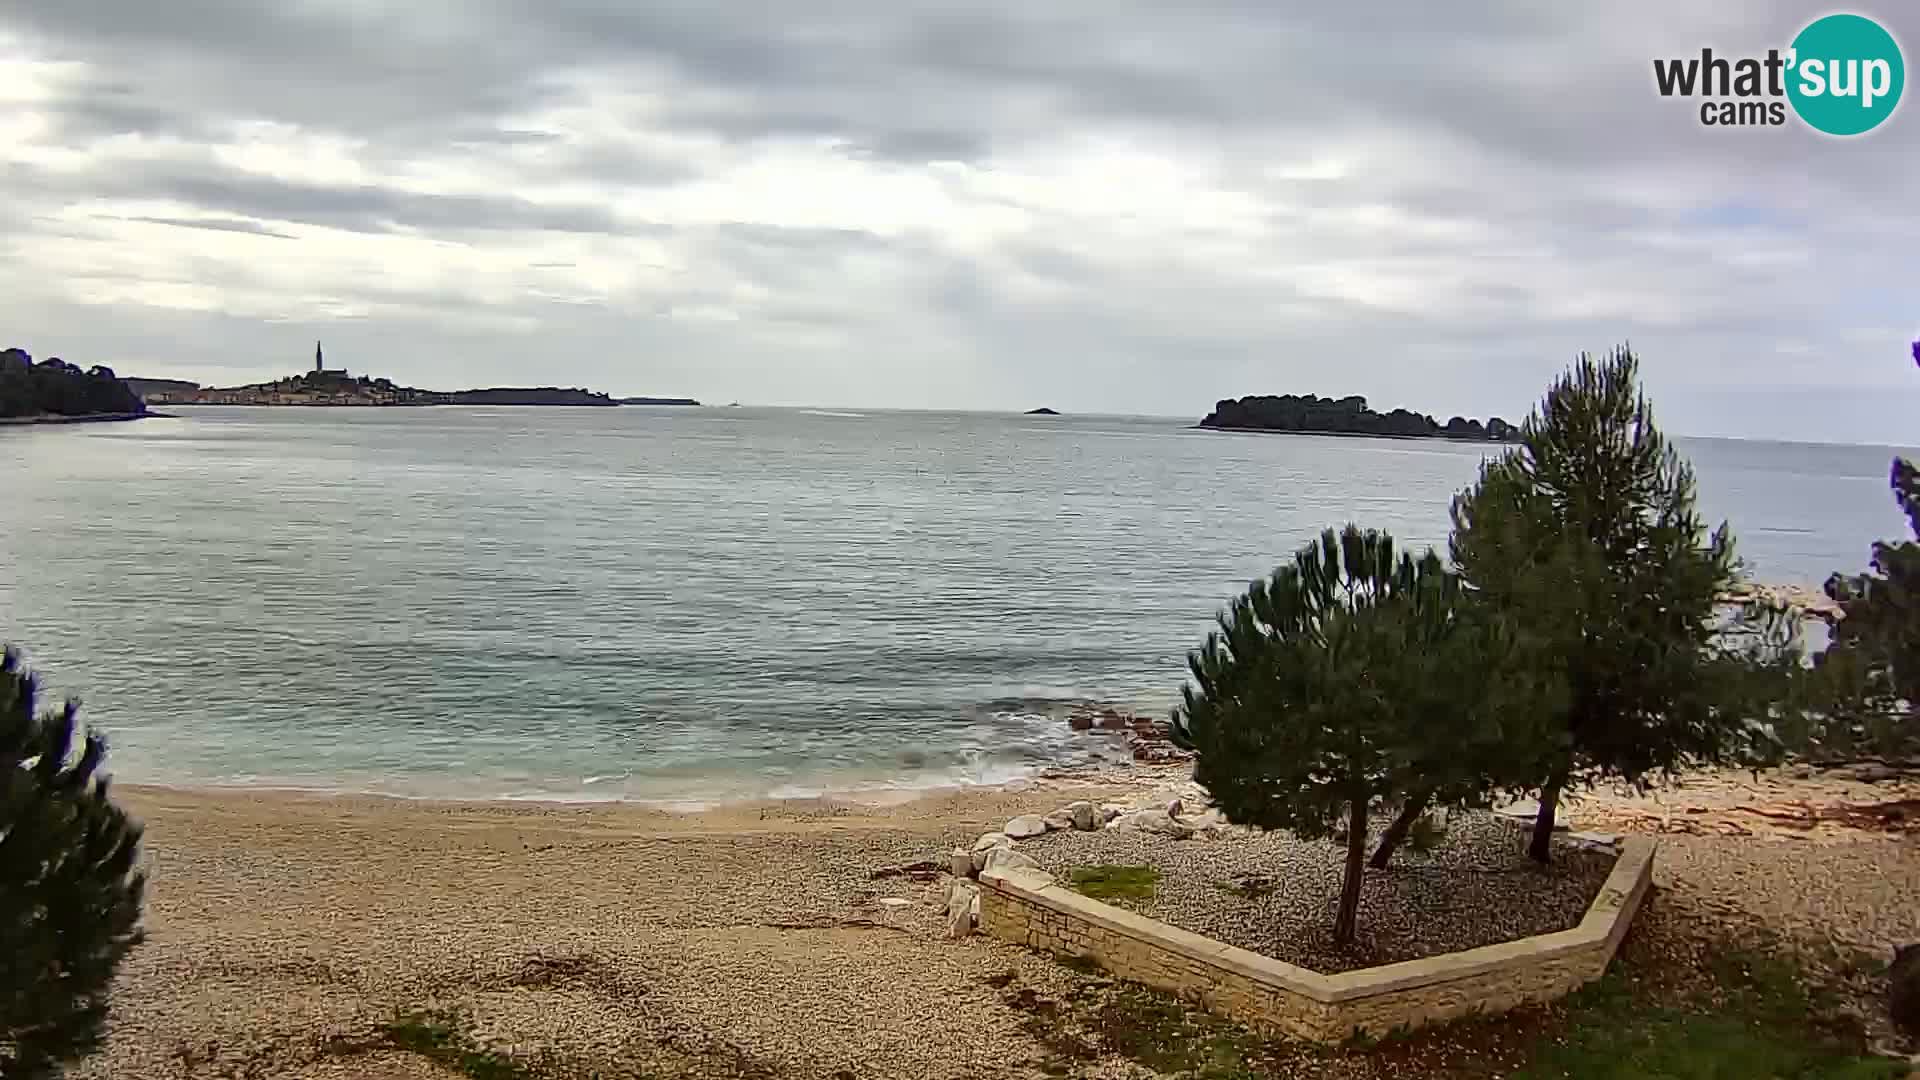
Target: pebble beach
792	939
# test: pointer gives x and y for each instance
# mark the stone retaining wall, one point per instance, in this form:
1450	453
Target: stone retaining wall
1029	908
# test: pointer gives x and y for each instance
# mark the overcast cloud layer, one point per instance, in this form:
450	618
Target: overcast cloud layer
1099	205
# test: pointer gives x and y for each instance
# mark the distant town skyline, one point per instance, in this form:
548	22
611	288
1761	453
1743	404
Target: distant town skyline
1113	207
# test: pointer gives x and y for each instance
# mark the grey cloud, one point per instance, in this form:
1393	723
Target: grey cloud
368	208
239	225
1548	194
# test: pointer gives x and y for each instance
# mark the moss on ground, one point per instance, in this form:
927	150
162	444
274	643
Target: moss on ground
1719	1010
1116	883
436	1036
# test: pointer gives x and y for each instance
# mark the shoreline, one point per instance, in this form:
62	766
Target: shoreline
1048	784
1352	434
87	418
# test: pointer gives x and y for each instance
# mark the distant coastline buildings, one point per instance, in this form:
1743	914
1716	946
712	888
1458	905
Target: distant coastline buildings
337	386
320	368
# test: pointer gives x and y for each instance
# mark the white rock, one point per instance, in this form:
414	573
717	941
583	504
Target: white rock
973	909
986	845
1595	839
1005	858
962	861
1025	825
961	904
1059	820
1524	811
1155	821
1083	815
894	902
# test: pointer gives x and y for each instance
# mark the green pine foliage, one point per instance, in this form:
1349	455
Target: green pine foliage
56	388
1867	681
1585	539
1336	684
69	891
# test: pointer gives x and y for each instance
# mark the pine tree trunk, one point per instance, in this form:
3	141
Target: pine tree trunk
1343	926
1397	832
1541	849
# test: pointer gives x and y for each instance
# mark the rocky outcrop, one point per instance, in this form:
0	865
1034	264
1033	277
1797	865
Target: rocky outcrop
1024	826
963	907
1006	858
1149	741
1153	820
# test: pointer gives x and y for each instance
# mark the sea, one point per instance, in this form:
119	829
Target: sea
689	606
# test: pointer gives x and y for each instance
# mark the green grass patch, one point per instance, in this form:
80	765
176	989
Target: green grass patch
1760	1018
1135	883
436	1035
1162	1033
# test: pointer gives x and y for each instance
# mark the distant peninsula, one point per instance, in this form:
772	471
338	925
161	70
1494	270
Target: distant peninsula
325	386
1042	411
56	392
1311	415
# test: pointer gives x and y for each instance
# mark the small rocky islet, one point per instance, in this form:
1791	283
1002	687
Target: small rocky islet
1308	414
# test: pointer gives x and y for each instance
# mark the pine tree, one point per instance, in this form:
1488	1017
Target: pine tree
1867	681
1328	688
69	893
1586	539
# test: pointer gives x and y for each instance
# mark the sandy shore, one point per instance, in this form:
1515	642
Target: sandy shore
615	941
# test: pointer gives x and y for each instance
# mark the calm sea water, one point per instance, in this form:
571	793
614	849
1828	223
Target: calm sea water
700	604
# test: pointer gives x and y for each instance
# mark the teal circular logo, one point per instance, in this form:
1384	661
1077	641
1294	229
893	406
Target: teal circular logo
1845	74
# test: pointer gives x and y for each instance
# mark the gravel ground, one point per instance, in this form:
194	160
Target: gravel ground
1476	888
611	941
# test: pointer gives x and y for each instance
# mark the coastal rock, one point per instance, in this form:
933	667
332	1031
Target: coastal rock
1059	820
1174	807
986	845
1600	840
1082	813
1109	811
1524	811
1005	858
962	862
1156	821
960	908
1024	826
1210	824
1080	721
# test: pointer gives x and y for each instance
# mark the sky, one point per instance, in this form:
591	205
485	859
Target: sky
1113	206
